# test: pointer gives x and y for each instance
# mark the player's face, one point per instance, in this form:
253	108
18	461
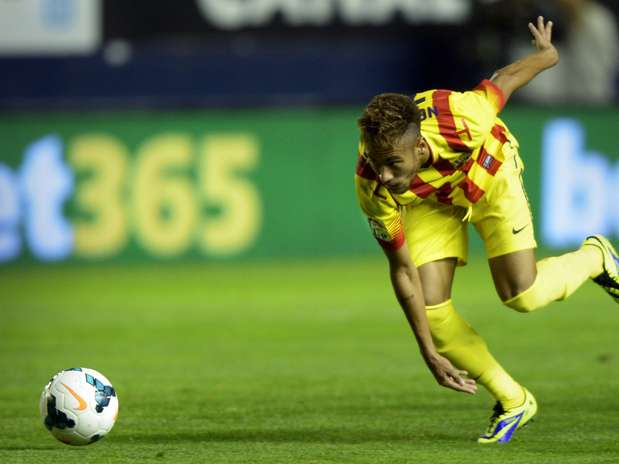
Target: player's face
397	167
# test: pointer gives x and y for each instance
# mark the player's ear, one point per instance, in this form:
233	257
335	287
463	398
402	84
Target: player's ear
421	142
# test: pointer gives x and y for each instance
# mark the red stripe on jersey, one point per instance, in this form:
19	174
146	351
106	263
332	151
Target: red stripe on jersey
444	167
421	188
489	85
394	244
446	122
471	191
365	170
443	194
488	162
494	167
498	132
467	166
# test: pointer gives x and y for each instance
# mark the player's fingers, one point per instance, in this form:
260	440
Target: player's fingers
463	378
549	31
460	382
468	383
536	35
470	389
540	23
465	387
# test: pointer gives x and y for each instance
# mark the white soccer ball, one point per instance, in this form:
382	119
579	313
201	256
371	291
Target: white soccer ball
79	406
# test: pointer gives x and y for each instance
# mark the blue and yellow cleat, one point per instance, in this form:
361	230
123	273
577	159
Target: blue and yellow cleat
609	278
504	423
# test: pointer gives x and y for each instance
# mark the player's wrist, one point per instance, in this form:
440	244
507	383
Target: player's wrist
549	57
429	354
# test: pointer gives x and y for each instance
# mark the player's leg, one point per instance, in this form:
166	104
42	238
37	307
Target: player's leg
503	220
437	238
455	339
525	285
507	282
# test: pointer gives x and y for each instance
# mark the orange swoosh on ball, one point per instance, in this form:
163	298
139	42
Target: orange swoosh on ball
82	404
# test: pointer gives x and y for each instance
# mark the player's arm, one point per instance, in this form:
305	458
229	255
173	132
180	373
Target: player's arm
407	287
518	74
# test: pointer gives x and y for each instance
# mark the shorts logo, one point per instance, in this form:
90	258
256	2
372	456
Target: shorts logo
379	230
517	231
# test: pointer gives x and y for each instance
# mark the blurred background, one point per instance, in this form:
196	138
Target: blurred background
213	130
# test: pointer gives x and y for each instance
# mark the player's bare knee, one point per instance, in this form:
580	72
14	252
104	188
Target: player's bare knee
515	285
436	296
524	301
436	279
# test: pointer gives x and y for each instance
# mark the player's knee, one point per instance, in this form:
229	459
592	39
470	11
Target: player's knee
516	285
436	294
519	305
525	301
435	299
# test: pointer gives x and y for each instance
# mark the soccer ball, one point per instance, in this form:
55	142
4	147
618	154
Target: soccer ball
79	406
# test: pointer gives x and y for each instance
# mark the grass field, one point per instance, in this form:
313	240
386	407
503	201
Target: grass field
293	362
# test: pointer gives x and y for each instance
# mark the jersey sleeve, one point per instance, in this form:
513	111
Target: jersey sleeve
466	118
492	93
382	212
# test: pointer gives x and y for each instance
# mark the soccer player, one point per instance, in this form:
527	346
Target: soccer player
429	165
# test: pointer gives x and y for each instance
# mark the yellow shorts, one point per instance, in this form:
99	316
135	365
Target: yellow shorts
502	218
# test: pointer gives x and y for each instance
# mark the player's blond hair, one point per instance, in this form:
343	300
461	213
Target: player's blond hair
386	118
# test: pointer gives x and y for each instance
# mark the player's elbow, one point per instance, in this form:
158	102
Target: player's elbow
400	272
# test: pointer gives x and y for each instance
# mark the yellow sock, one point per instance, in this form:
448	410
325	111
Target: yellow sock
455	339
558	277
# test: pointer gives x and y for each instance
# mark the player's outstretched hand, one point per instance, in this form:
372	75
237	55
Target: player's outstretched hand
448	376
542	38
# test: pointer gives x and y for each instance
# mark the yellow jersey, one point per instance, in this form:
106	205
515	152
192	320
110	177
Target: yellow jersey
468	143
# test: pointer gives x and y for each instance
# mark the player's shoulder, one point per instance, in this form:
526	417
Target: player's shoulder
433	102
428	97
483	101
434	97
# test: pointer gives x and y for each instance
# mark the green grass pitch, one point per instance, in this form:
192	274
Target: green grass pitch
290	362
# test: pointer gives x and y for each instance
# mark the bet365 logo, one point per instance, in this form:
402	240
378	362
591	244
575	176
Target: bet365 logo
90	197
34	196
580	187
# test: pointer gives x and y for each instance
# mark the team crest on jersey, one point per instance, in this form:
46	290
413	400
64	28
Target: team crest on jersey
379	230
